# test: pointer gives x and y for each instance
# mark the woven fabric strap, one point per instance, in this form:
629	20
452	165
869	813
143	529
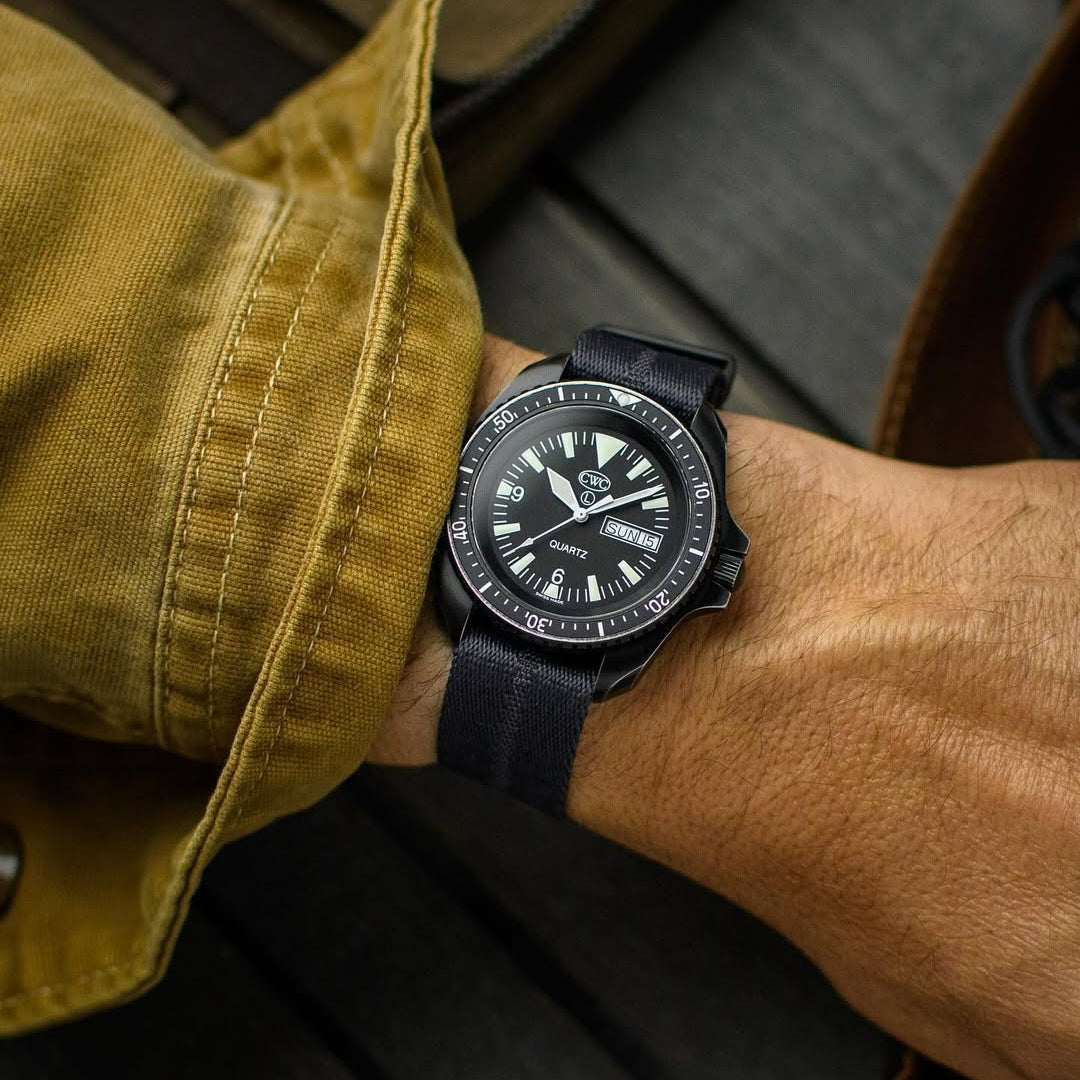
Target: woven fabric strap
513	712
679	381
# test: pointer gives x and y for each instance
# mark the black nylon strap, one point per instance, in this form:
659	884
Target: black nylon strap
512	715
680	381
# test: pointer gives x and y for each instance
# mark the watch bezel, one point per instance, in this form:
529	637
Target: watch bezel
642	624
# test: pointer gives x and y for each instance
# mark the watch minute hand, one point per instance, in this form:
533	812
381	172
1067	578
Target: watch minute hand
608	503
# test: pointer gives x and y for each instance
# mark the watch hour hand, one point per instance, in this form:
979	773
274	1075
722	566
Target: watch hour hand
563	490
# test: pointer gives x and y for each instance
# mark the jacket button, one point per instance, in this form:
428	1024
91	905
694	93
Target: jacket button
11	860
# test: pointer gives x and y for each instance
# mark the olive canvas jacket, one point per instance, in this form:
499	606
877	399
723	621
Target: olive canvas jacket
232	391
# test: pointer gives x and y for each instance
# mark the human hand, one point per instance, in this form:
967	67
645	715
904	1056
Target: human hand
874	748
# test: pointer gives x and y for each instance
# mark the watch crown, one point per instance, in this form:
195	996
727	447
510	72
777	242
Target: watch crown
726	570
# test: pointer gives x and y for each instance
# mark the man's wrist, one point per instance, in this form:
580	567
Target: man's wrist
741	677
407	736
612	732
873	749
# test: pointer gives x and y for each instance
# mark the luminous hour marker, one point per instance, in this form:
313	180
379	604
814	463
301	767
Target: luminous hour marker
568	444
629	572
553	591
594	588
521	565
655	504
505	489
607	446
506	528
695	551
533	460
485	586
465	468
642	465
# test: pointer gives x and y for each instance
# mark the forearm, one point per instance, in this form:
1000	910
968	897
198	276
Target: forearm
733	757
875	750
871	748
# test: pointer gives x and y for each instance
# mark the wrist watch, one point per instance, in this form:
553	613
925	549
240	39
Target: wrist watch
588	521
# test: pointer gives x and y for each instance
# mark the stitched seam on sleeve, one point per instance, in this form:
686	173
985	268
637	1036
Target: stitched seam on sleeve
215	817
285	215
349	536
413	155
342	186
245	474
185	871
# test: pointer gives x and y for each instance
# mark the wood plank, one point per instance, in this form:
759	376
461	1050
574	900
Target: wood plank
218	57
121	62
312	30
199	122
797	162
212	1017
694	985
354	923
547	266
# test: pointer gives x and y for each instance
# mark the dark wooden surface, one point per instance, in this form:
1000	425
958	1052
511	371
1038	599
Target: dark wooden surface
768	176
216	1017
794	162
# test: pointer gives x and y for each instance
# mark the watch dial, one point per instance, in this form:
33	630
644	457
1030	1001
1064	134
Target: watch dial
583	512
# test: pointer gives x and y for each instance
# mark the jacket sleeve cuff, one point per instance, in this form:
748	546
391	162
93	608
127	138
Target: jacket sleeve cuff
311	479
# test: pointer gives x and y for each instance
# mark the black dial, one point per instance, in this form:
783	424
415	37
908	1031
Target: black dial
583	513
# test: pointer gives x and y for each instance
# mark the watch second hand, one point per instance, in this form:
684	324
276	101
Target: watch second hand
530	540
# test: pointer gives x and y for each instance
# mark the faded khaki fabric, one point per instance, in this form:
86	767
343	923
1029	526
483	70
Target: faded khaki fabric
232	391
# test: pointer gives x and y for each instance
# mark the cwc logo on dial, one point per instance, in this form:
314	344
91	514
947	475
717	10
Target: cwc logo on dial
592	480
